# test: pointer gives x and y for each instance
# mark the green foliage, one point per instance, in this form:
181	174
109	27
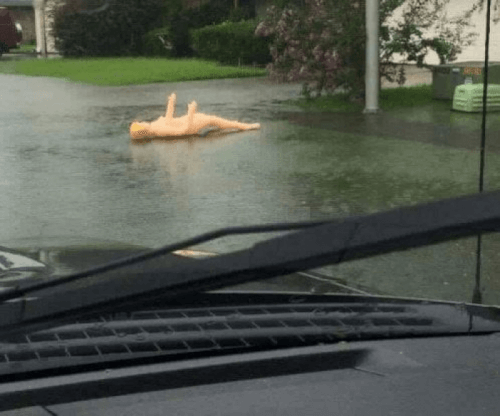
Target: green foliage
181	41
157	42
241	14
114	29
211	13
181	21
232	43
322	43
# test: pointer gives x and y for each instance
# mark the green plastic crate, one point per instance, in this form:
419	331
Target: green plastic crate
469	98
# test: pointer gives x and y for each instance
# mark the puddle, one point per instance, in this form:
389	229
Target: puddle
463	133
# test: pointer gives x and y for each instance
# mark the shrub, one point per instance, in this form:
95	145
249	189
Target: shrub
211	13
178	23
317	43
232	43
322	42
114	29
180	39
158	42
182	21
241	14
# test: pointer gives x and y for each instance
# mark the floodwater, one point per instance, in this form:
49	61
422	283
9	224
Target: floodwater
69	168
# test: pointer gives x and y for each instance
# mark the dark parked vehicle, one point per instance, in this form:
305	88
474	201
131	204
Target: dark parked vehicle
10	31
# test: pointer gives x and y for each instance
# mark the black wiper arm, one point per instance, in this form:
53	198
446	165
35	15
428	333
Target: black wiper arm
151	254
352	238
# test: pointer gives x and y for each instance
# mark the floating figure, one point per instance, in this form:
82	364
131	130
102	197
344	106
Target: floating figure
189	124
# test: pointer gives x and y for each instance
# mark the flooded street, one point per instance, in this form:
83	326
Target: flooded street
68	168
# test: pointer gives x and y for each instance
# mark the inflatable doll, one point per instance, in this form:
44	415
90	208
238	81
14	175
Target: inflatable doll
191	123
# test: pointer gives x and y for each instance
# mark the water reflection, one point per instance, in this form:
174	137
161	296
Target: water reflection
220	180
438	126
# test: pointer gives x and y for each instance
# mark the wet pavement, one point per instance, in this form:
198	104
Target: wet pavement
68	165
446	128
68	168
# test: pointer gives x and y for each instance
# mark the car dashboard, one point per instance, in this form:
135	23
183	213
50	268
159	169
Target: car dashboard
261	354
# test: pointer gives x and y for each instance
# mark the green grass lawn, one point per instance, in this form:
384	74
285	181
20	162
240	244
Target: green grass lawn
26	48
390	98
126	71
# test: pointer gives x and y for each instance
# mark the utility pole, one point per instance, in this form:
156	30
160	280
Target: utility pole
372	57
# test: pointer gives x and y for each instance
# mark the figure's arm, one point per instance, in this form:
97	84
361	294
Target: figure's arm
171	105
175	126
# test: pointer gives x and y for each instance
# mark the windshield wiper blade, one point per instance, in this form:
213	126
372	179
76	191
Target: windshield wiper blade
151	254
316	246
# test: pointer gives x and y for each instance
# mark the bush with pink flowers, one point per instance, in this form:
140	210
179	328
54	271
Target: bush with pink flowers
321	43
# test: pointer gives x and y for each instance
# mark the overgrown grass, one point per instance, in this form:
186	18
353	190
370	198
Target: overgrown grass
25	48
390	98
126	71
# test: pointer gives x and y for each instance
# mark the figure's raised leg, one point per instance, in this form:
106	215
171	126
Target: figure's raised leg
230	124
171	105
192	107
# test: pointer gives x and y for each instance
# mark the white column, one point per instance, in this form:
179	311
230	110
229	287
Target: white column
50	5
41	42
372	57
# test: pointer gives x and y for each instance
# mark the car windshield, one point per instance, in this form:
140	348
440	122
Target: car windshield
196	116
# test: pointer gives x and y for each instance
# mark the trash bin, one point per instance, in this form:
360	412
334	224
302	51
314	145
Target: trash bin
445	78
469	98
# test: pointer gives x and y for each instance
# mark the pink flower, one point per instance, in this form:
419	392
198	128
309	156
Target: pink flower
262	29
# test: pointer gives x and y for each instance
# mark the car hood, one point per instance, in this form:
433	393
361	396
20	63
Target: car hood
25	261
